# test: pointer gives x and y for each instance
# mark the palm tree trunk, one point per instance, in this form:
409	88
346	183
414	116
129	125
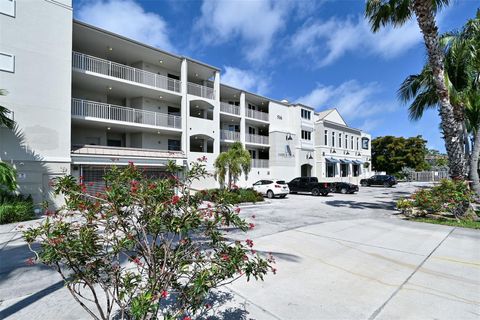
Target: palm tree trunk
451	127
474	163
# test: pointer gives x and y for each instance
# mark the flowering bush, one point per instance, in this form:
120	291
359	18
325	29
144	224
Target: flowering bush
450	196
144	248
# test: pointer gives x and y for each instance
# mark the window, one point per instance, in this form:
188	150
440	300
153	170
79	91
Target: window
358	139
344	169
333	139
306	114
7	7
234	103
174	145
330	169
326	137
306	135
251	130
351	143
339	140
346	141
356	170
365	142
7	62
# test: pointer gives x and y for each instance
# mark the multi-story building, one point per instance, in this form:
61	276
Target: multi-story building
85	99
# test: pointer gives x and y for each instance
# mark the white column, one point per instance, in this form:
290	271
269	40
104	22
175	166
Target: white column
243	127
216	113
184	107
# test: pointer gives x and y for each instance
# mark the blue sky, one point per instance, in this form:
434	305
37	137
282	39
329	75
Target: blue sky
320	53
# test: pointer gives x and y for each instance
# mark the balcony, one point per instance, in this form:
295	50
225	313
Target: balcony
259	163
229	135
259	115
256	138
116	70
229	108
91	109
200	91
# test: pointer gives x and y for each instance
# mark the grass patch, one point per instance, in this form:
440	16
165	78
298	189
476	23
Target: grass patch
452	223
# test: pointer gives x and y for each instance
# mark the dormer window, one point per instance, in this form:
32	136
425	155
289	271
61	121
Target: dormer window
306	114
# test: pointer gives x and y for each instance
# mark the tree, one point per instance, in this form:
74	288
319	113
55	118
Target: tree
8	178
144	248
392	154
462	67
233	163
397	13
5	120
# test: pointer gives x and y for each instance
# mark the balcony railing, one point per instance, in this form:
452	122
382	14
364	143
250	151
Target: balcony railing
201	91
229	108
256	138
259	163
85	108
257	115
108	68
229	135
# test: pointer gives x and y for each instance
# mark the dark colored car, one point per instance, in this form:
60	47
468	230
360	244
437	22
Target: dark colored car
310	185
344	187
379	180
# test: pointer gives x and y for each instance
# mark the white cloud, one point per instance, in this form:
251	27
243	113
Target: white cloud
127	18
355	102
253	24
327	41
244	79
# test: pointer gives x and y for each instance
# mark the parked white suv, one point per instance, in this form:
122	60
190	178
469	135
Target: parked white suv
272	188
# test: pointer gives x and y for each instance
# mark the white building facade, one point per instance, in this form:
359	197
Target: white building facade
85	99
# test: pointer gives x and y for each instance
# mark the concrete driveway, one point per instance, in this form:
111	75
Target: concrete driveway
338	257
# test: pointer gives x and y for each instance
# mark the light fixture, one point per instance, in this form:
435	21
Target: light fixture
108	128
160	97
161	61
234	95
196	107
289	136
109	88
196	74
310	157
158	132
109	48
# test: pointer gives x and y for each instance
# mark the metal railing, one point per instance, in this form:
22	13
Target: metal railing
259	163
257	114
229	108
85	108
256	138
201	91
108	68
229	135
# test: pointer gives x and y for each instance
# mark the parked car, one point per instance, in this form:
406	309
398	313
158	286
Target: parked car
272	188
310	185
379	180
344	187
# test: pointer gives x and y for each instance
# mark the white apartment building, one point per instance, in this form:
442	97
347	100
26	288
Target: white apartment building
85	99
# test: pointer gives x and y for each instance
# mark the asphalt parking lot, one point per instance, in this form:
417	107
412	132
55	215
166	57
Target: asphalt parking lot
338	257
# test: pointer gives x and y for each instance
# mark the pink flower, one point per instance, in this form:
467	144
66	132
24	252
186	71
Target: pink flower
175	199
251	226
237	209
164	294
187	318
30	261
249	242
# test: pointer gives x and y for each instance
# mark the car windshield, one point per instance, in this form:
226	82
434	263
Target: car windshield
280	182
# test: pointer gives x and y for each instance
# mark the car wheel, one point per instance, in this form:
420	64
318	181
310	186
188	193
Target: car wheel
343	191
364	184
315	192
324	194
270	194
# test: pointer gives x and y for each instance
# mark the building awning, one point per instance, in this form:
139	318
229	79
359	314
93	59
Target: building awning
332	160
357	162
345	161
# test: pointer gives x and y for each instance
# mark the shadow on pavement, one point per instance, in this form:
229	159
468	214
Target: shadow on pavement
386	205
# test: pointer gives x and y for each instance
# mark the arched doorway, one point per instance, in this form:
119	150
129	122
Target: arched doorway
306	170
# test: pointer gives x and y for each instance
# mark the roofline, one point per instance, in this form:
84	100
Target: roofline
180	57
341	125
255	94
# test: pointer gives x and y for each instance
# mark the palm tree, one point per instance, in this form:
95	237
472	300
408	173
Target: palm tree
5	120
462	56
233	163
8	179
397	12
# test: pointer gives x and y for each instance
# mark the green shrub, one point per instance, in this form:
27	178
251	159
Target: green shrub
15	209
233	196
452	196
